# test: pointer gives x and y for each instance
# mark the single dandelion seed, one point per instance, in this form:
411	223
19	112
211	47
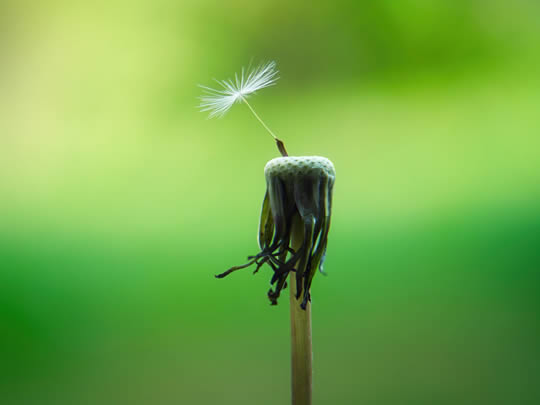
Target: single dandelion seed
218	101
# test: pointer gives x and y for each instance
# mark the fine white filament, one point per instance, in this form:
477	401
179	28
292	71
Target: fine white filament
219	101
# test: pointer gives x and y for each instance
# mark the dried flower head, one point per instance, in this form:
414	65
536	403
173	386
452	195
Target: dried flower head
298	191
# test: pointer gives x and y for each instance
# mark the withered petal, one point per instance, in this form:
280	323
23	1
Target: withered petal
266	224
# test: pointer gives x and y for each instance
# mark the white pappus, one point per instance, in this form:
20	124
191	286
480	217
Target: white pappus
218	101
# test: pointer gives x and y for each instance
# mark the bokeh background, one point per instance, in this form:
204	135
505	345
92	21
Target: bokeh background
119	201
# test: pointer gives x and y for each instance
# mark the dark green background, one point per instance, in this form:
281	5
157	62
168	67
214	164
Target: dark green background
119	201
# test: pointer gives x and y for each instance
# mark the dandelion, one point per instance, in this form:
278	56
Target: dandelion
218	101
298	200
294	222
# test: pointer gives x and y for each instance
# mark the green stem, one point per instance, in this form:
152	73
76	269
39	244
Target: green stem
301	352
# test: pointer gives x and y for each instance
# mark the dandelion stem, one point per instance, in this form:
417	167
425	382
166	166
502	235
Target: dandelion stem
301	351
279	143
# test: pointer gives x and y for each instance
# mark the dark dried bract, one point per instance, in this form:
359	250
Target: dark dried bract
298	193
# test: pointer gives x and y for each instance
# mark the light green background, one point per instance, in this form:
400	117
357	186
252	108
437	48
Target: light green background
119	201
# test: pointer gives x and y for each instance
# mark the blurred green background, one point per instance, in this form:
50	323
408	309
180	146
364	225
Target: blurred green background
119	201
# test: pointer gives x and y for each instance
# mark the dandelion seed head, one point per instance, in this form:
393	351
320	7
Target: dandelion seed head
218	101
298	191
